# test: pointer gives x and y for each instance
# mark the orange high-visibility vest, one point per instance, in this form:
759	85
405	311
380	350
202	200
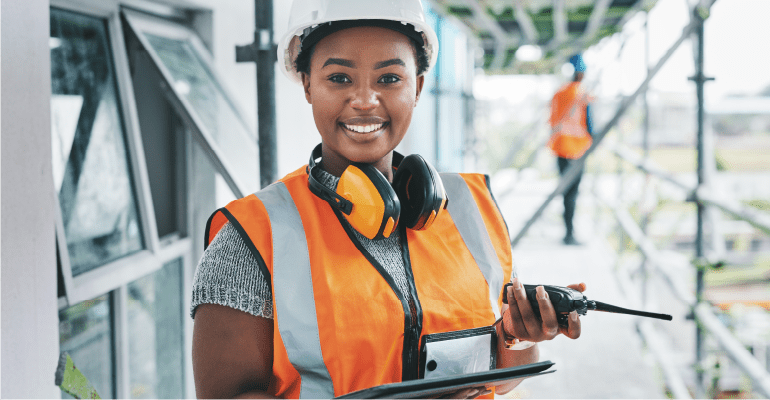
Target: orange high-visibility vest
341	323
569	134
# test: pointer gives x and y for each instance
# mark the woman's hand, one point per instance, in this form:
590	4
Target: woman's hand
469	393
520	321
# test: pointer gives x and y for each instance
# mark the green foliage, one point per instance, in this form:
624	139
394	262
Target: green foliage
509	56
615	12
72	381
505	15
462	12
580	14
761	204
488	58
721	165
759	272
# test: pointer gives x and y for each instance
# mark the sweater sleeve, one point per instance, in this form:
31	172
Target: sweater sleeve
228	274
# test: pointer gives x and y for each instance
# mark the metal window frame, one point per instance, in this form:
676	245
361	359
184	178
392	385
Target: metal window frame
181	249
139	22
64	255
94	283
112	278
188	270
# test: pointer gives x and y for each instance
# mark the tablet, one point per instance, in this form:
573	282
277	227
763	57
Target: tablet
422	388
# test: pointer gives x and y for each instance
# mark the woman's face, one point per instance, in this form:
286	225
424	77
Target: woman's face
363	87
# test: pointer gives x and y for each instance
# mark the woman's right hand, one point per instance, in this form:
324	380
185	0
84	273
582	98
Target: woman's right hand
521	322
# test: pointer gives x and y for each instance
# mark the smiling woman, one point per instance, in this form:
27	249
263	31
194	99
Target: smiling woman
329	280
363	88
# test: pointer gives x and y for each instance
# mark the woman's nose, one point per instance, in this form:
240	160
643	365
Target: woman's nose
364	98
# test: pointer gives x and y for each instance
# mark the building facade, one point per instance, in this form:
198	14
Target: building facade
125	124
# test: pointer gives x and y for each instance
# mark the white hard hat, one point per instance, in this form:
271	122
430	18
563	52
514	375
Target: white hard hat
311	13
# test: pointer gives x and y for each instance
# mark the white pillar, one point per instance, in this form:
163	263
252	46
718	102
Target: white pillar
30	333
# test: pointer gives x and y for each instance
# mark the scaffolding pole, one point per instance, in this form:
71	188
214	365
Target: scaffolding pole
263	52
574	170
700	79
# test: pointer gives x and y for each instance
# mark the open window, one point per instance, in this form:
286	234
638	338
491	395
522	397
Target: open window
199	97
96	187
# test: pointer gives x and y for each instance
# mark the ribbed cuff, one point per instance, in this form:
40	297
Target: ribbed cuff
253	304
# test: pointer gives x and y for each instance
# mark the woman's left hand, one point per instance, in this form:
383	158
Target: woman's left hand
520	321
469	393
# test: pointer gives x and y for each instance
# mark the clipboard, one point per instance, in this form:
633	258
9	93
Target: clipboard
422	388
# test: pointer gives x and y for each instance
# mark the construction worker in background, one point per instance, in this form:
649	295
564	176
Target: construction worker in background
571	135
325	282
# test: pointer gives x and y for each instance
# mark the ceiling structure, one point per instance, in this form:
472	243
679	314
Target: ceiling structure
558	28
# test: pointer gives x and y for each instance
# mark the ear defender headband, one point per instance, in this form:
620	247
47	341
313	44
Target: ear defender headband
372	206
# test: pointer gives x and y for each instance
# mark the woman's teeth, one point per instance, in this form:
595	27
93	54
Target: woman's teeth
364	128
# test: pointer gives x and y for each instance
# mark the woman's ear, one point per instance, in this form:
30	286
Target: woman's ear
306	85
420	82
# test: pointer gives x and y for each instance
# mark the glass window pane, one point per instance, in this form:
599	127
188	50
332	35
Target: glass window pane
85	332
193	81
156	338
90	162
164	143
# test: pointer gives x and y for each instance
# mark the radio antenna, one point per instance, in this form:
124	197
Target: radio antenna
599	306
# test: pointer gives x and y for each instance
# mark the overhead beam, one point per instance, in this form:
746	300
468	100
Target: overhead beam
595	21
559	23
525	22
500	36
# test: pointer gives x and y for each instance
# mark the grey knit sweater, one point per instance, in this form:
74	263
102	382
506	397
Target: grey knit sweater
228	273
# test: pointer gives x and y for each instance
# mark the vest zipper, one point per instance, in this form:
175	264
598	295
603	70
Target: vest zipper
412	319
412	345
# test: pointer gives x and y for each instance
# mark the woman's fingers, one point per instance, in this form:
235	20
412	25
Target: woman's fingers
514	324
550	327
469	393
573	331
580	287
528	317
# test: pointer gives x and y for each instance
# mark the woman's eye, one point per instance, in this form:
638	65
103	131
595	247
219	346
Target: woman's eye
339	79
389	79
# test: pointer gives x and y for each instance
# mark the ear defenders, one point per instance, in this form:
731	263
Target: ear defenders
372	206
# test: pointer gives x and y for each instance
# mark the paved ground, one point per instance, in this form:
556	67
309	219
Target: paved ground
608	360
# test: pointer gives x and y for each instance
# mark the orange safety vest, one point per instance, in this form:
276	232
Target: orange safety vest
342	324
569	137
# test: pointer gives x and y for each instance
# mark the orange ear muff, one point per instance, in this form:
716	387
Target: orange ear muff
421	191
376	208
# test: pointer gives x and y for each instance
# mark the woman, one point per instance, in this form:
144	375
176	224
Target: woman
300	293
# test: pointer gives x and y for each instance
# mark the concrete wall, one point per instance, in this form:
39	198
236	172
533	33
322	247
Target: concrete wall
30	331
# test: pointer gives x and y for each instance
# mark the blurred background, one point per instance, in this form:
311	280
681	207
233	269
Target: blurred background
126	123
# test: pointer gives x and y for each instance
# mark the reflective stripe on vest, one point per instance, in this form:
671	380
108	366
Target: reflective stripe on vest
293	291
295	306
470	224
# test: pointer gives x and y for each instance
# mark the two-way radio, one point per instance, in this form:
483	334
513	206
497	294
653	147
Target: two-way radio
566	300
